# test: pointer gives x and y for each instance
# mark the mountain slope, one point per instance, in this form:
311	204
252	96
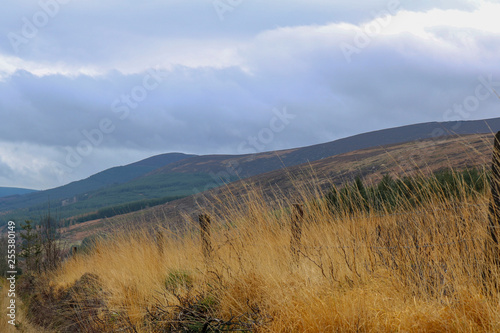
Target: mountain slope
245	166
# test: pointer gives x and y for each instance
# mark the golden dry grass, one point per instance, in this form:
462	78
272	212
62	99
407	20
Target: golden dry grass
414	270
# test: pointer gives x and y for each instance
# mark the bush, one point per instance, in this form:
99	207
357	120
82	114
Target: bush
409	192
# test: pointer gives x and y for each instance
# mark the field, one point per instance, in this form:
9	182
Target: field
419	264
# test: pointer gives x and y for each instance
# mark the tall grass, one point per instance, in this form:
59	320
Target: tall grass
400	268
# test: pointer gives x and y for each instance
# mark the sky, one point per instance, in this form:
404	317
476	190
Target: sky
86	85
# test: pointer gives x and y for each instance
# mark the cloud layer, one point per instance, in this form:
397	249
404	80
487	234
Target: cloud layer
106	84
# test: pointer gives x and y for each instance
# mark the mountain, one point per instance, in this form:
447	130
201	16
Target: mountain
167	177
245	166
10	191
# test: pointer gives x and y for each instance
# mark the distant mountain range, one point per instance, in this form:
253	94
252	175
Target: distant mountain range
168	177
9	191
33	205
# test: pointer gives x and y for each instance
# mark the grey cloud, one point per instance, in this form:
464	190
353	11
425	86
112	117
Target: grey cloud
228	105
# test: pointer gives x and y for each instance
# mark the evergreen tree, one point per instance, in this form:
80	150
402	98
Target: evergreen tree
31	246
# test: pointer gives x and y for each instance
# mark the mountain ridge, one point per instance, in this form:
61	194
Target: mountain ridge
249	165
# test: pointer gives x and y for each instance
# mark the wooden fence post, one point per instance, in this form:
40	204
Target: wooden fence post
160	241
206	242
296	226
494	208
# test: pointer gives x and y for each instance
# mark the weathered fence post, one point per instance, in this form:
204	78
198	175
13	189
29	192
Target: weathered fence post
206	242
494	208
296	226
160	241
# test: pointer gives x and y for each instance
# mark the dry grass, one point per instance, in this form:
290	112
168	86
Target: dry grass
418	270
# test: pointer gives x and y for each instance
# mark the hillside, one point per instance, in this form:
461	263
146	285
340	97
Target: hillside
458	152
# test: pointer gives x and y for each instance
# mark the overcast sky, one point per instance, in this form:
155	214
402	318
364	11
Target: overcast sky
86	85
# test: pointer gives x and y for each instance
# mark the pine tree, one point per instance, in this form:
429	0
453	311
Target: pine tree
31	247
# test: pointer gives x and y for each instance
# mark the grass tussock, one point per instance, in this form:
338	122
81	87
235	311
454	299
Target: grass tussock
402	267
